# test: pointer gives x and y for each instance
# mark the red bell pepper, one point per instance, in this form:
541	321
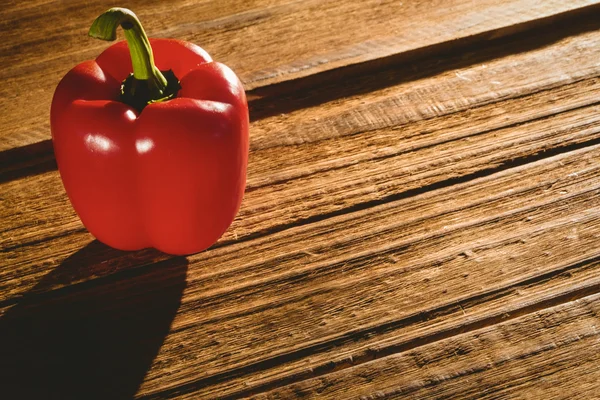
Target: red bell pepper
150	158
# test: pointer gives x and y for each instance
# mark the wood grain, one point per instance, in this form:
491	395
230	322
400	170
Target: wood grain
43	42
410	254
384	272
554	354
451	128
422	217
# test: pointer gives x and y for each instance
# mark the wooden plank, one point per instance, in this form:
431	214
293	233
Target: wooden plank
36	227
423	217
429	140
286	277
484	87
399	271
552	353
379	277
252	37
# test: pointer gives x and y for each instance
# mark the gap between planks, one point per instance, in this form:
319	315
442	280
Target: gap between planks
565	96
411	127
37	157
153	256
587	278
388	51
574	170
533	356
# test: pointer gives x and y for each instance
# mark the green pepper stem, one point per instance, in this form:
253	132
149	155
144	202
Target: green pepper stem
142	59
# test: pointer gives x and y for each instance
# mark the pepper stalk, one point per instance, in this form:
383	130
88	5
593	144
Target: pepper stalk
147	84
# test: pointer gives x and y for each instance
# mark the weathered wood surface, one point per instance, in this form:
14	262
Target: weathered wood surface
264	41
422	217
553	353
452	128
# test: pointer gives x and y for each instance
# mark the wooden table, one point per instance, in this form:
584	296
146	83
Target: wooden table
422	215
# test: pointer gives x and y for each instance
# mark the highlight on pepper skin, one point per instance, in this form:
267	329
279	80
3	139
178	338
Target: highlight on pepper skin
144	145
151	141
99	143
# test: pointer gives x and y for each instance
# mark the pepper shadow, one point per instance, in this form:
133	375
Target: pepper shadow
94	339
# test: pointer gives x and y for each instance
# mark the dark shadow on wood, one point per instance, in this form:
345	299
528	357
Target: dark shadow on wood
92	340
32	159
